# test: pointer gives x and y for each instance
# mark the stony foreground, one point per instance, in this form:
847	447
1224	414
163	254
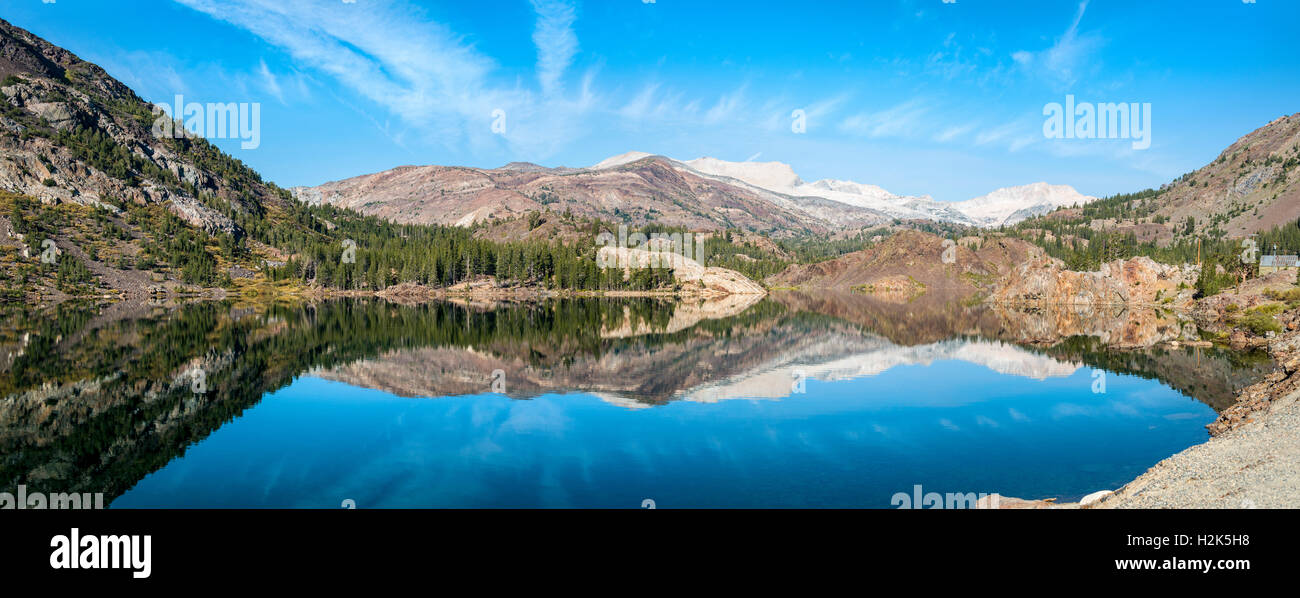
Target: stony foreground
1255	465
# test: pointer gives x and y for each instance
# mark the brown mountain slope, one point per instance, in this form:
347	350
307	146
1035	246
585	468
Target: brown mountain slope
917	257
646	191
1253	186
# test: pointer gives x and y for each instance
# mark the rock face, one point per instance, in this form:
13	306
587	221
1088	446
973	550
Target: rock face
694	278
1136	282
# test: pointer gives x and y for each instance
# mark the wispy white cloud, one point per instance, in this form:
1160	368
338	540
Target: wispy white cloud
903	120
437	85
152	75
952	133
270	81
653	103
556	42
387	52
1014	135
160	76
777	114
727	107
1065	61
433	85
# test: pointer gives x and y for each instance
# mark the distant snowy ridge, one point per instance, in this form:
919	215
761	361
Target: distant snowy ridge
783	186
1010	205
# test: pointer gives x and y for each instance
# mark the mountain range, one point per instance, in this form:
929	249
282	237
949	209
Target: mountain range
640	188
127	209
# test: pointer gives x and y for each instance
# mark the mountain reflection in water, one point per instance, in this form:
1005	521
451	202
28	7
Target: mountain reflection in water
98	399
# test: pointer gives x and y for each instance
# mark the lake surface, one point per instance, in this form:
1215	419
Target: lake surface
785	402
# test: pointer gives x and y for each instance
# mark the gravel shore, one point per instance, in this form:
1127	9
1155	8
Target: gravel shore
1255	465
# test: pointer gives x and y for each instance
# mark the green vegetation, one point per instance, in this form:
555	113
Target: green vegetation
1260	320
1291	297
721	250
810	250
387	254
1211	282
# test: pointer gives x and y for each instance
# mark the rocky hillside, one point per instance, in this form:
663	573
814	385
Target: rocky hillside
648	190
1254	185
98	199
70	133
108	206
927	261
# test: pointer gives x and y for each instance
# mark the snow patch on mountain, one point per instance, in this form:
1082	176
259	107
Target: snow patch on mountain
619	160
773	176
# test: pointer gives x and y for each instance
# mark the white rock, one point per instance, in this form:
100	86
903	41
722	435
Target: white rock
1094	497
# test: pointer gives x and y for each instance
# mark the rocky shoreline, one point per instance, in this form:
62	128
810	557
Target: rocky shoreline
1252	459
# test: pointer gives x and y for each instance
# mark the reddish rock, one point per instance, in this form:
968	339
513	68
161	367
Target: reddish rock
1138	281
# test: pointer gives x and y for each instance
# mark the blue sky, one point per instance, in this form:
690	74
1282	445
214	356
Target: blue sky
917	96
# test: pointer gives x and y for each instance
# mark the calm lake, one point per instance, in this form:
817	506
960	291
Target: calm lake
791	401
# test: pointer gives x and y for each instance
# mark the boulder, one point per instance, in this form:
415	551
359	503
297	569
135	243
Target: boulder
695	278
1094	497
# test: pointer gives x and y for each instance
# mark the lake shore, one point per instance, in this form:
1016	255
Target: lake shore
1252	459
1255	465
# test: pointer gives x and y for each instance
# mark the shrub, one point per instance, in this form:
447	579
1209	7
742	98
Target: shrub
1260	323
1271	309
1287	295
